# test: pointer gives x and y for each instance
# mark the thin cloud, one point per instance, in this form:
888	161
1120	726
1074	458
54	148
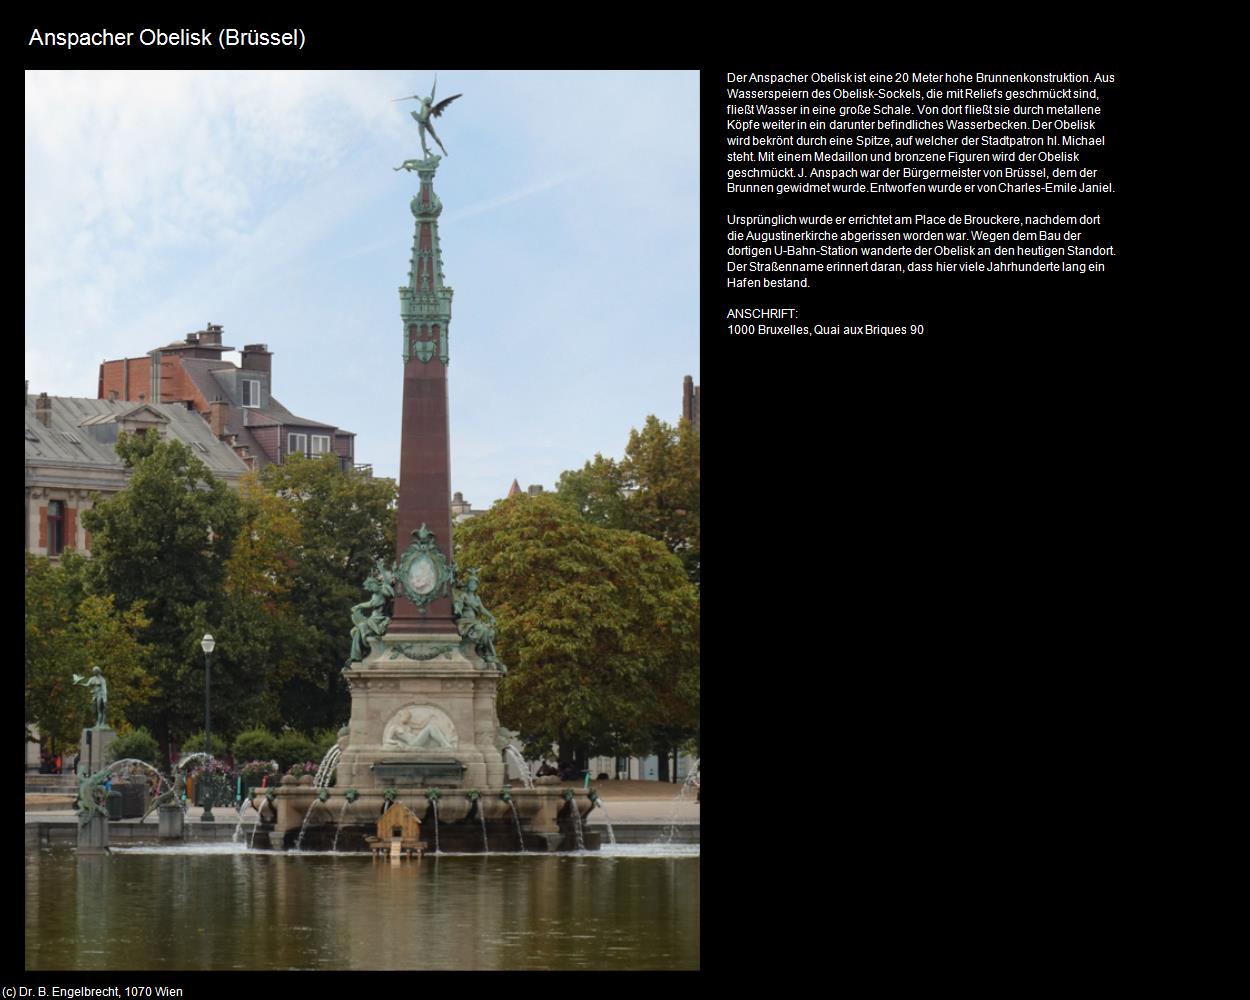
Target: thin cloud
520	195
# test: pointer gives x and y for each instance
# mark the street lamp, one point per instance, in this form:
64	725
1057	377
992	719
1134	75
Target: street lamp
207	644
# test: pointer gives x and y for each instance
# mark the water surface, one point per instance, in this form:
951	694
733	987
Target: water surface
221	907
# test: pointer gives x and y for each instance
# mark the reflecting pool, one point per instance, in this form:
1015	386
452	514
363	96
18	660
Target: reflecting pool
221	907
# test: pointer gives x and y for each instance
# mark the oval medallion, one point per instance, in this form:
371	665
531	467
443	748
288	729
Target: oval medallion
422	576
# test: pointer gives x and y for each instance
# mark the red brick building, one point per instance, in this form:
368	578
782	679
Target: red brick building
237	401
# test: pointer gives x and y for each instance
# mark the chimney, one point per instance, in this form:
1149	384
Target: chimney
535	490
218	410
211	336
256	358
193	338
43	409
690	401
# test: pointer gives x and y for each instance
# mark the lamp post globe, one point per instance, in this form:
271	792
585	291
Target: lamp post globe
207	644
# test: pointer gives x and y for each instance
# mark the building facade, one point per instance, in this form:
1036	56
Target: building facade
236	400
70	459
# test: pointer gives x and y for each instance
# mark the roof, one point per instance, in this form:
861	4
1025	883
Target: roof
201	371
82	431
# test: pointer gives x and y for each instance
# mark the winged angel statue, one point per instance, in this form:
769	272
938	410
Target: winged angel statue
424	115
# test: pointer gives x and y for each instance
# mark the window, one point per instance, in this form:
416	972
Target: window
56	527
320	444
251	392
296	442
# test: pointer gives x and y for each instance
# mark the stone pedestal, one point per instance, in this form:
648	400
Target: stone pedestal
102	738
93	836
171	819
423	709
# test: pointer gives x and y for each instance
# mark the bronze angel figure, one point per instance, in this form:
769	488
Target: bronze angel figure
428	111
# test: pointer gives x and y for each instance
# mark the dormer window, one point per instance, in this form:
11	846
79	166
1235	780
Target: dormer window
250	392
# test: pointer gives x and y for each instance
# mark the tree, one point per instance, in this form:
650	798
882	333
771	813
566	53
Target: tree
598	628
662	466
261	626
345	523
654	489
164	541
599	492
69	631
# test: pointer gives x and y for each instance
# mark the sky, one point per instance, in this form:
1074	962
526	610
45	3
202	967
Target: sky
159	201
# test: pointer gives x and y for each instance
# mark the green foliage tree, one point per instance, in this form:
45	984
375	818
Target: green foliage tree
68	631
323	740
344	523
654	489
194	743
294	748
254	744
271	572
164	541
599	628
261	626
138	744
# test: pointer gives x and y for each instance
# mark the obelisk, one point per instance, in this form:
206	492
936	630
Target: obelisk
425	443
423	672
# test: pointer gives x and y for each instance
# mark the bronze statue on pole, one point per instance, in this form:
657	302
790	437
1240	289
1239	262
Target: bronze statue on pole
99	694
427	111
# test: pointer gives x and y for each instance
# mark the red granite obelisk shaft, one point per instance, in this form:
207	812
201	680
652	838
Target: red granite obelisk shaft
424	484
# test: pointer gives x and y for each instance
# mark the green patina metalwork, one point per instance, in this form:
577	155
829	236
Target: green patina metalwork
475	624
370	618
423	573
425	112
425	302
416	650
174	796
99	694
92	796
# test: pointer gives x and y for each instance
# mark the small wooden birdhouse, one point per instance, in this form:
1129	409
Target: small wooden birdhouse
399	821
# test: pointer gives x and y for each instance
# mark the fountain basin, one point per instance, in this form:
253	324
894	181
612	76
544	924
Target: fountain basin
546	818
